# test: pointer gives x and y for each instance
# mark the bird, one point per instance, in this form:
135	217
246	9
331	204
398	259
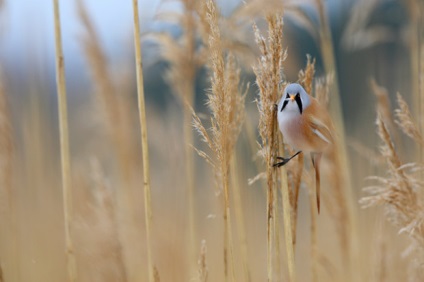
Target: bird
306	126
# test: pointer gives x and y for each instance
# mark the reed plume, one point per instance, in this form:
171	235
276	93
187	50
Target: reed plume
112	104
268	73
96	230
226	104
399	192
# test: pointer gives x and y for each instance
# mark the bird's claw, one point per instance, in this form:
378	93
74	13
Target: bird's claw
283	162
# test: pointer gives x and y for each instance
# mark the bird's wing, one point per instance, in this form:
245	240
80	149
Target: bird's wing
321	129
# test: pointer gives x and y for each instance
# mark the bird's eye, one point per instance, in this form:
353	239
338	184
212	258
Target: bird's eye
287	96
297	94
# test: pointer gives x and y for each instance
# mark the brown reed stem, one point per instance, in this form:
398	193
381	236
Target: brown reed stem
64	145
270	208
144	143
415	62
238	206
287	217
314	245
296	183
349	232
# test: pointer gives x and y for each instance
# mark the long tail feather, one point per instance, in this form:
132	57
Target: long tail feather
315	160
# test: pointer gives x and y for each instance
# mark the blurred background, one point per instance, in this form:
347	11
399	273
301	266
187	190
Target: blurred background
372	39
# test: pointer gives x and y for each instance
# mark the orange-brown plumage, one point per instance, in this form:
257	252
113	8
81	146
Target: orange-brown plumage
306	126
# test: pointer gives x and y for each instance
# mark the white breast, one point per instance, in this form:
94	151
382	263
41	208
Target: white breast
289	122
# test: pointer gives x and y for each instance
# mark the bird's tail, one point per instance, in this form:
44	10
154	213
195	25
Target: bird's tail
316	157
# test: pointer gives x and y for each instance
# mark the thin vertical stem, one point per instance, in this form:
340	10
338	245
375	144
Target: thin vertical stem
314	247
349	234
240	218
64	145
144	145
228	241
287	225
188	137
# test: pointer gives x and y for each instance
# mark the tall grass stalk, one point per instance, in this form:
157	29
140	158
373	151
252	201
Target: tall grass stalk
8	200
226	104
414	10
399	192
144	143
117	123
64	145
314	244
184	62
238	207
288	229
112	106
268	77
346	222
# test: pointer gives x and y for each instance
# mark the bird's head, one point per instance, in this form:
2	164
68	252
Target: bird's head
294	98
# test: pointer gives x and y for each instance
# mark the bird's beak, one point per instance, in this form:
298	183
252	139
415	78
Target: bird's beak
292	97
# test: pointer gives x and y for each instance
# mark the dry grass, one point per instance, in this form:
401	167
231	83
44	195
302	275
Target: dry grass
398	193
99	256
268	72
252	234
185	59
64	146
226	104
152	272
202	263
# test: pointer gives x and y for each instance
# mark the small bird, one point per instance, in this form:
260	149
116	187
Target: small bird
306	126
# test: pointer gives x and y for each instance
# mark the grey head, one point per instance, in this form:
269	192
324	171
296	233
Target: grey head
294	98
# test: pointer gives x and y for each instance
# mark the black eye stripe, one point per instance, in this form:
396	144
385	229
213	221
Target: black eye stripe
299	102
284	105
287	96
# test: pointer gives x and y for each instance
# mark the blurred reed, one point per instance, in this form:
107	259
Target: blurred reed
185	60
96	232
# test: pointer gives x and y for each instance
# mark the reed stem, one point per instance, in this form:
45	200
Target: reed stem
349	232
238	206
287	217
144	143
64	145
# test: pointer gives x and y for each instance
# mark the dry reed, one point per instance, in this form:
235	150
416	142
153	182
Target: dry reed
184	61
203	271
6	150
64	145
226	104
268	72
345	215
144	142
115	114
399	194
405	121
99	251
111	103
306	79
8	205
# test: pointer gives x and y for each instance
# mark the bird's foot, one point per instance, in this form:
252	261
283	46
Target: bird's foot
284	161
